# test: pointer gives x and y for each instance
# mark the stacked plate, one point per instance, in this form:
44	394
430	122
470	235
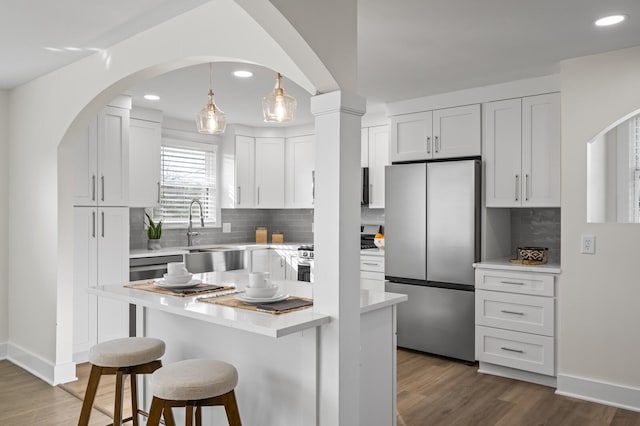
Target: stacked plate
185	280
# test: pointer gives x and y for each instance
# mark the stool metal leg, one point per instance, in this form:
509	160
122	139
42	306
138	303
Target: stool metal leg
90	395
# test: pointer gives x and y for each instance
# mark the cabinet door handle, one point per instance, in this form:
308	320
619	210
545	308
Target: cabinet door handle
437	144
93	224
102	224
428	144
239	199
526	187
313	186
512	350
512	312
93	187
158	192
517	187
281	262
370	193
512	282
102	183
258	195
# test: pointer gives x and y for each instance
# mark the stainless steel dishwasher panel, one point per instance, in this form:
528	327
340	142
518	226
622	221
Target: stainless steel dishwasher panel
147	268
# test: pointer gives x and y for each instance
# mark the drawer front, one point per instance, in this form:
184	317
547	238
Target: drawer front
517	312
513	349
373	264
515	282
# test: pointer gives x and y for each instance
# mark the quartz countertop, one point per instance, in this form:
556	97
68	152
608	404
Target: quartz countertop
166	251
242	319
505	264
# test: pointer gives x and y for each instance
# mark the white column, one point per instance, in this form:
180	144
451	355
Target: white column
337	253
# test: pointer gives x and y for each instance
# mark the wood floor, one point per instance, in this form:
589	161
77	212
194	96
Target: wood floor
436	391
26	400
432	391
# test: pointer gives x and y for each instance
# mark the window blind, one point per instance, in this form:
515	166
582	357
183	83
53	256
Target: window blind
187	174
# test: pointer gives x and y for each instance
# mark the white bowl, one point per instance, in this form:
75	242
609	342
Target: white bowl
261	292
177	279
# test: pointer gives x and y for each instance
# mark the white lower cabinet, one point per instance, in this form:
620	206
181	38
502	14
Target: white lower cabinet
101	247
372	272
515	322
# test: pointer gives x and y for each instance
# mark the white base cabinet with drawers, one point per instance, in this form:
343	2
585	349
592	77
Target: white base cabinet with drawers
372	271
515	322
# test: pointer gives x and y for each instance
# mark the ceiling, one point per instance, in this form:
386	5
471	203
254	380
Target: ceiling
406	48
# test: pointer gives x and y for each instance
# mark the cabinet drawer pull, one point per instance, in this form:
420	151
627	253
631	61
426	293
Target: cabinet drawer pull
93	187
370	264
102	180
517	187
512	282
512	312
428	144
512	350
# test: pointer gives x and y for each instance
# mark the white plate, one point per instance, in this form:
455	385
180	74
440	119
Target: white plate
162	283
246	299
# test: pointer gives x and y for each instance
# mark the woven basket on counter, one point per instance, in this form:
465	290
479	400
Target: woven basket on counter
531	255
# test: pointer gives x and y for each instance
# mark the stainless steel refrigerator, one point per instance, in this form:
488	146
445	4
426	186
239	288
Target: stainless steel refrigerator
432	239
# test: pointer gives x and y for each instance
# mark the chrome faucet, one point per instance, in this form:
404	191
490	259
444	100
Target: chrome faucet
190	232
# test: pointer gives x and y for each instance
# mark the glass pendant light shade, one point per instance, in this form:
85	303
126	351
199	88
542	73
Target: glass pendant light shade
277	106
211	119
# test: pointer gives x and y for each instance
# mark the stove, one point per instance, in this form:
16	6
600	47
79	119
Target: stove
305	263
305	252
367	234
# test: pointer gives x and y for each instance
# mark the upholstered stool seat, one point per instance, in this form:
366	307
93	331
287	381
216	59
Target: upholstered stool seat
128	351
121	357
194	383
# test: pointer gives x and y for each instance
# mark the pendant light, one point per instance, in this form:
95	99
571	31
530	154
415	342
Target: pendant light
278	107
211	119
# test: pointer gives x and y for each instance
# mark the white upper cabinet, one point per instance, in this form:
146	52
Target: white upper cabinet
456	132
411	136
269	173
442	133
244	171
299	174
378	151
145	138
102	161
522	152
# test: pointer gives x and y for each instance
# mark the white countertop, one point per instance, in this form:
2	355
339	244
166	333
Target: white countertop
505	264
166	251
242	319
372	252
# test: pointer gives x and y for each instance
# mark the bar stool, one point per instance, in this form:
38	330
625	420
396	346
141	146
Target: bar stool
122	357
194	383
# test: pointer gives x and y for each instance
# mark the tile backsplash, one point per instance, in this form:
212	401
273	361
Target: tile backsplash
539	227
295	224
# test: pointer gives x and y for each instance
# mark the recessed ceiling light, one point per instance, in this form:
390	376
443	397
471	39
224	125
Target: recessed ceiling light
243	73
151	97
610	20
72	49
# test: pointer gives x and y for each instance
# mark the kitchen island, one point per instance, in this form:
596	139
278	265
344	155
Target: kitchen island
276	355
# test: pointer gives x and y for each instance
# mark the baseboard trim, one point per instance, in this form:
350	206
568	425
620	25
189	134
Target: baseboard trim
53	374
513	373
3	350
597	391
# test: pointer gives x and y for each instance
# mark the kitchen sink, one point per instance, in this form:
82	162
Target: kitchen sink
214	259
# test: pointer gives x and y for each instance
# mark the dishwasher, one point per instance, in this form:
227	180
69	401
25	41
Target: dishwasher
146	268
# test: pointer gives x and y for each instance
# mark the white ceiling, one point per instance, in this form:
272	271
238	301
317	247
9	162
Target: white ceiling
406	48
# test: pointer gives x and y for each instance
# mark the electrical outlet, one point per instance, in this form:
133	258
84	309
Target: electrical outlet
588	244
226	227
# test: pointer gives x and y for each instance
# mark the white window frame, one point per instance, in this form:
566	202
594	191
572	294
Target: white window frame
180	142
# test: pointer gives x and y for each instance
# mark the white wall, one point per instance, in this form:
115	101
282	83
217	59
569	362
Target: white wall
598	295
4	212
40	323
